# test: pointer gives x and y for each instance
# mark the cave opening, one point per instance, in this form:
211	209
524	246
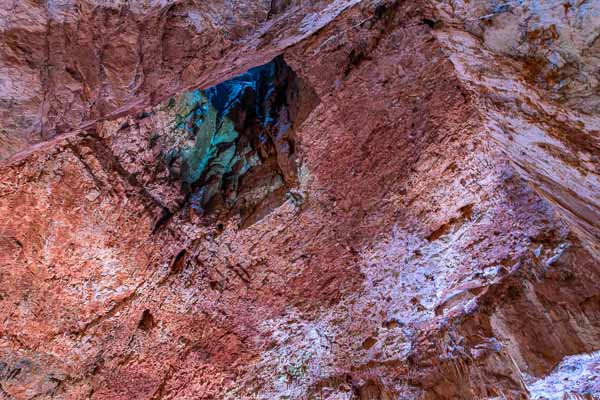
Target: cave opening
241	150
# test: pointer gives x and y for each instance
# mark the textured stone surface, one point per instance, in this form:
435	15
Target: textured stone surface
421	221
533	65
66	64
574	375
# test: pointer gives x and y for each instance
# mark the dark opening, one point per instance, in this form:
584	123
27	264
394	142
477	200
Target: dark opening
240	150
146	321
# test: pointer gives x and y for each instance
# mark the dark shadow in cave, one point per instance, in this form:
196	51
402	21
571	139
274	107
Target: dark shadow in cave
244	154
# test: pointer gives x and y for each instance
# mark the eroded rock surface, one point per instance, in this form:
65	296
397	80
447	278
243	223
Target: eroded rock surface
533	65
397	200
67	64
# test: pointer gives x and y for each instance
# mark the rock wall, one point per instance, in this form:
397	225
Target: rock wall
69	63
400	206
533	65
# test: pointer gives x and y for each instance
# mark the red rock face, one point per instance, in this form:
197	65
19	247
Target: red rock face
67	64
414	250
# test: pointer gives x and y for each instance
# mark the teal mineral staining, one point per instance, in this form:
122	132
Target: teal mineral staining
214	146
215	120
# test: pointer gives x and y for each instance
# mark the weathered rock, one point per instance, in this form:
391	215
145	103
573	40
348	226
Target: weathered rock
67	64
533	67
